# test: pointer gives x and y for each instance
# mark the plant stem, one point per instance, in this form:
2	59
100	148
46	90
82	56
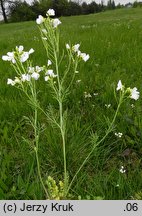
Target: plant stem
97	143
36	133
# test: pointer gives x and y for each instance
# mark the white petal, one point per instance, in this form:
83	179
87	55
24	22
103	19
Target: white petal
119	86
31	51
35	76
24	57
5	58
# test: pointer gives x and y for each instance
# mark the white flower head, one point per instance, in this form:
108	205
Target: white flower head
119	86
40	20
46	78
44	38
119	134
35	75
122	170
44	31
38	69
31	69
76	47
17	80
56	22
24	56
20	48
25	77
87	95
67	46
9	57
134	93
10	82
50	73
50	12
84	56
107	105
49	63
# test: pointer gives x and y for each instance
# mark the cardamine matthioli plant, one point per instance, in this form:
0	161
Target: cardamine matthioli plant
27	75
55	76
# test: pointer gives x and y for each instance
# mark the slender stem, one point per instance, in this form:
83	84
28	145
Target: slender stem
62	129
96	144
37	137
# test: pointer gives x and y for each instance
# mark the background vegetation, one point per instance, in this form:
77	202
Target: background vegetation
113	40
17	10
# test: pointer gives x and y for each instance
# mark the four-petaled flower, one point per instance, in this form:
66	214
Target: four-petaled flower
40	20
56	22
50	12
134	93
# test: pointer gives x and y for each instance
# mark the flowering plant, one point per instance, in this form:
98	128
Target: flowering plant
26	77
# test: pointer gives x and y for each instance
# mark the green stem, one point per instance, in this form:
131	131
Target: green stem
37	138
96	144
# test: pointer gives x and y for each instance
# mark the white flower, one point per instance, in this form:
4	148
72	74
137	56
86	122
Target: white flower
87	95
132	105
10	82
95	94
119	86
50	12
40	20
122	170
84	56
76	47
9	57
119	134
78	53
49	63
35	75
38	69
44	31
46	78
17	80
107	105
50	73
56	22
44	38
134	94
24	56
67	46
31	69
25	77
20	48
78	81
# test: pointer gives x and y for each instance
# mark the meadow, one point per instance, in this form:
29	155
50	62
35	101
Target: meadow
113	40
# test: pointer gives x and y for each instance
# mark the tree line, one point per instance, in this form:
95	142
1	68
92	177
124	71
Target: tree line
17	10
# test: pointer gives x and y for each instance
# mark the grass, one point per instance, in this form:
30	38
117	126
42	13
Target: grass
113	40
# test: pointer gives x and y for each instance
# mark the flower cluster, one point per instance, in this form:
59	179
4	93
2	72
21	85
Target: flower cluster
55	22
119	134
33	73
49	74
19	54
122	170
133	93
75	49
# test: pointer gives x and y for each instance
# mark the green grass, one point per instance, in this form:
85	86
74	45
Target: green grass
114	41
